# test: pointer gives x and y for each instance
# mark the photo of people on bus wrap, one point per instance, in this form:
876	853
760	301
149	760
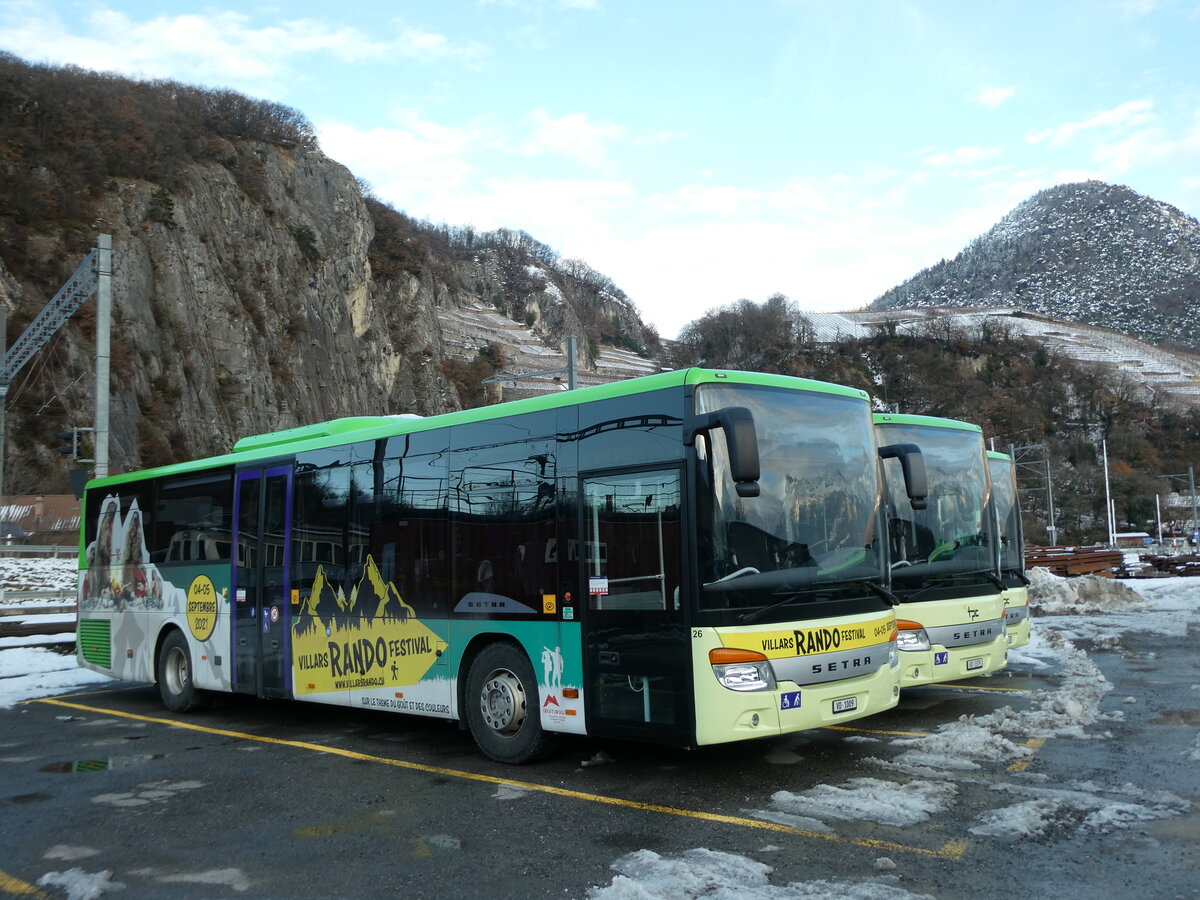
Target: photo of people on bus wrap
120	575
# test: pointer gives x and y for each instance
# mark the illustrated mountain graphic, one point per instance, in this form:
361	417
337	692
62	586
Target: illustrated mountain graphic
373	598
324	604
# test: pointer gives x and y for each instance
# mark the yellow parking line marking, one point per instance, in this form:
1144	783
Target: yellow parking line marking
952	849
875	731
19	888
973	687
1034	744
108	690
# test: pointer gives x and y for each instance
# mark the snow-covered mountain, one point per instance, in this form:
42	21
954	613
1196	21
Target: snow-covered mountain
1089	252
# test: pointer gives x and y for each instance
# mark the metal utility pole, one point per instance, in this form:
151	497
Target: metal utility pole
571	369
1020	457
1108	504
1192	487
3	396
1191	477
94	276
103	340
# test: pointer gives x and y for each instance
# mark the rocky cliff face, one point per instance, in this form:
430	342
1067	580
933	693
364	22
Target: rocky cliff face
1092	252
236	314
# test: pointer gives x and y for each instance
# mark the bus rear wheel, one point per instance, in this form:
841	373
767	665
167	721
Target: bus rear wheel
175	685
502	708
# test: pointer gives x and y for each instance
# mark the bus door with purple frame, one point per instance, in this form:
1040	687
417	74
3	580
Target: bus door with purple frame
261	581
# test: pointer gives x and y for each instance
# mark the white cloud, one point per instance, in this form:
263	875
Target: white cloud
993	96
1151	146
1139	148
573	135
1133	113
415	160
961	156
224	48
1138	7
567	214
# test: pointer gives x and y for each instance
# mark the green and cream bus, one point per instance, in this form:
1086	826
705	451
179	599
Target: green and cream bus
691	558
1011	548
942	557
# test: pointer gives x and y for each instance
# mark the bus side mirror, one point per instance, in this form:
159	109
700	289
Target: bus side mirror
740	437
912	462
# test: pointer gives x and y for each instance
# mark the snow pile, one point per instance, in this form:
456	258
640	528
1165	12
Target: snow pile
1081	810
30	672
49	574
1105	611
645	875
997	737
885	802
1050	595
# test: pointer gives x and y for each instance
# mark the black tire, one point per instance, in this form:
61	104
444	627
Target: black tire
174	669
502	707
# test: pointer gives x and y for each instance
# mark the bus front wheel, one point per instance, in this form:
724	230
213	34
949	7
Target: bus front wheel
502	706
175	685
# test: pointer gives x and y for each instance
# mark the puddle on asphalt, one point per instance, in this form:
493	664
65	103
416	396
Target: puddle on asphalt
29	798
81	766
1177	717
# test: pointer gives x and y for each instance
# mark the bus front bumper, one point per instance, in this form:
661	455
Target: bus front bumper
939	663
723	715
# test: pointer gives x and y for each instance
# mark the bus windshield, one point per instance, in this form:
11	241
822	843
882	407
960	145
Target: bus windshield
814	526
953	535
1008	514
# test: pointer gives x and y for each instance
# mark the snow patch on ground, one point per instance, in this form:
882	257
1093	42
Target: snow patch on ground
1085	809
33	574
874	799
30	672
645	875
81	885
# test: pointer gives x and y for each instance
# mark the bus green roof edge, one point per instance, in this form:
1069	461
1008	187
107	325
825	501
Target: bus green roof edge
930	421
333	427
337	431
996	454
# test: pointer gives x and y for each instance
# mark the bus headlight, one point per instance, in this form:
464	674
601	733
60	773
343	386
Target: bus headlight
741	670
912	636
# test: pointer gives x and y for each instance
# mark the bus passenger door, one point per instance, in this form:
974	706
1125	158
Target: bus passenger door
637	664
261	575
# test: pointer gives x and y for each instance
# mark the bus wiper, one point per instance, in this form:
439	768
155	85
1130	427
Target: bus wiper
990	576
791	594
1024	579
880	591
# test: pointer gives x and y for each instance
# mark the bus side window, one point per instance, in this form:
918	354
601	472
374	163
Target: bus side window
193	519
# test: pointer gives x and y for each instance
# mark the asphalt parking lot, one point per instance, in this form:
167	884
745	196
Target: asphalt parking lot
275	799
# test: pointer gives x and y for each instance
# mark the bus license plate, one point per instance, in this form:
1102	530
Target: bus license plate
846	704
973	664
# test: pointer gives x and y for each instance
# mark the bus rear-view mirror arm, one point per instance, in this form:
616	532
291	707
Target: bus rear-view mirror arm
913	465
740	437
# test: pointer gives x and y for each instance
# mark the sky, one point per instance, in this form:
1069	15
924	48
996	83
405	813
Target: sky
697	153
